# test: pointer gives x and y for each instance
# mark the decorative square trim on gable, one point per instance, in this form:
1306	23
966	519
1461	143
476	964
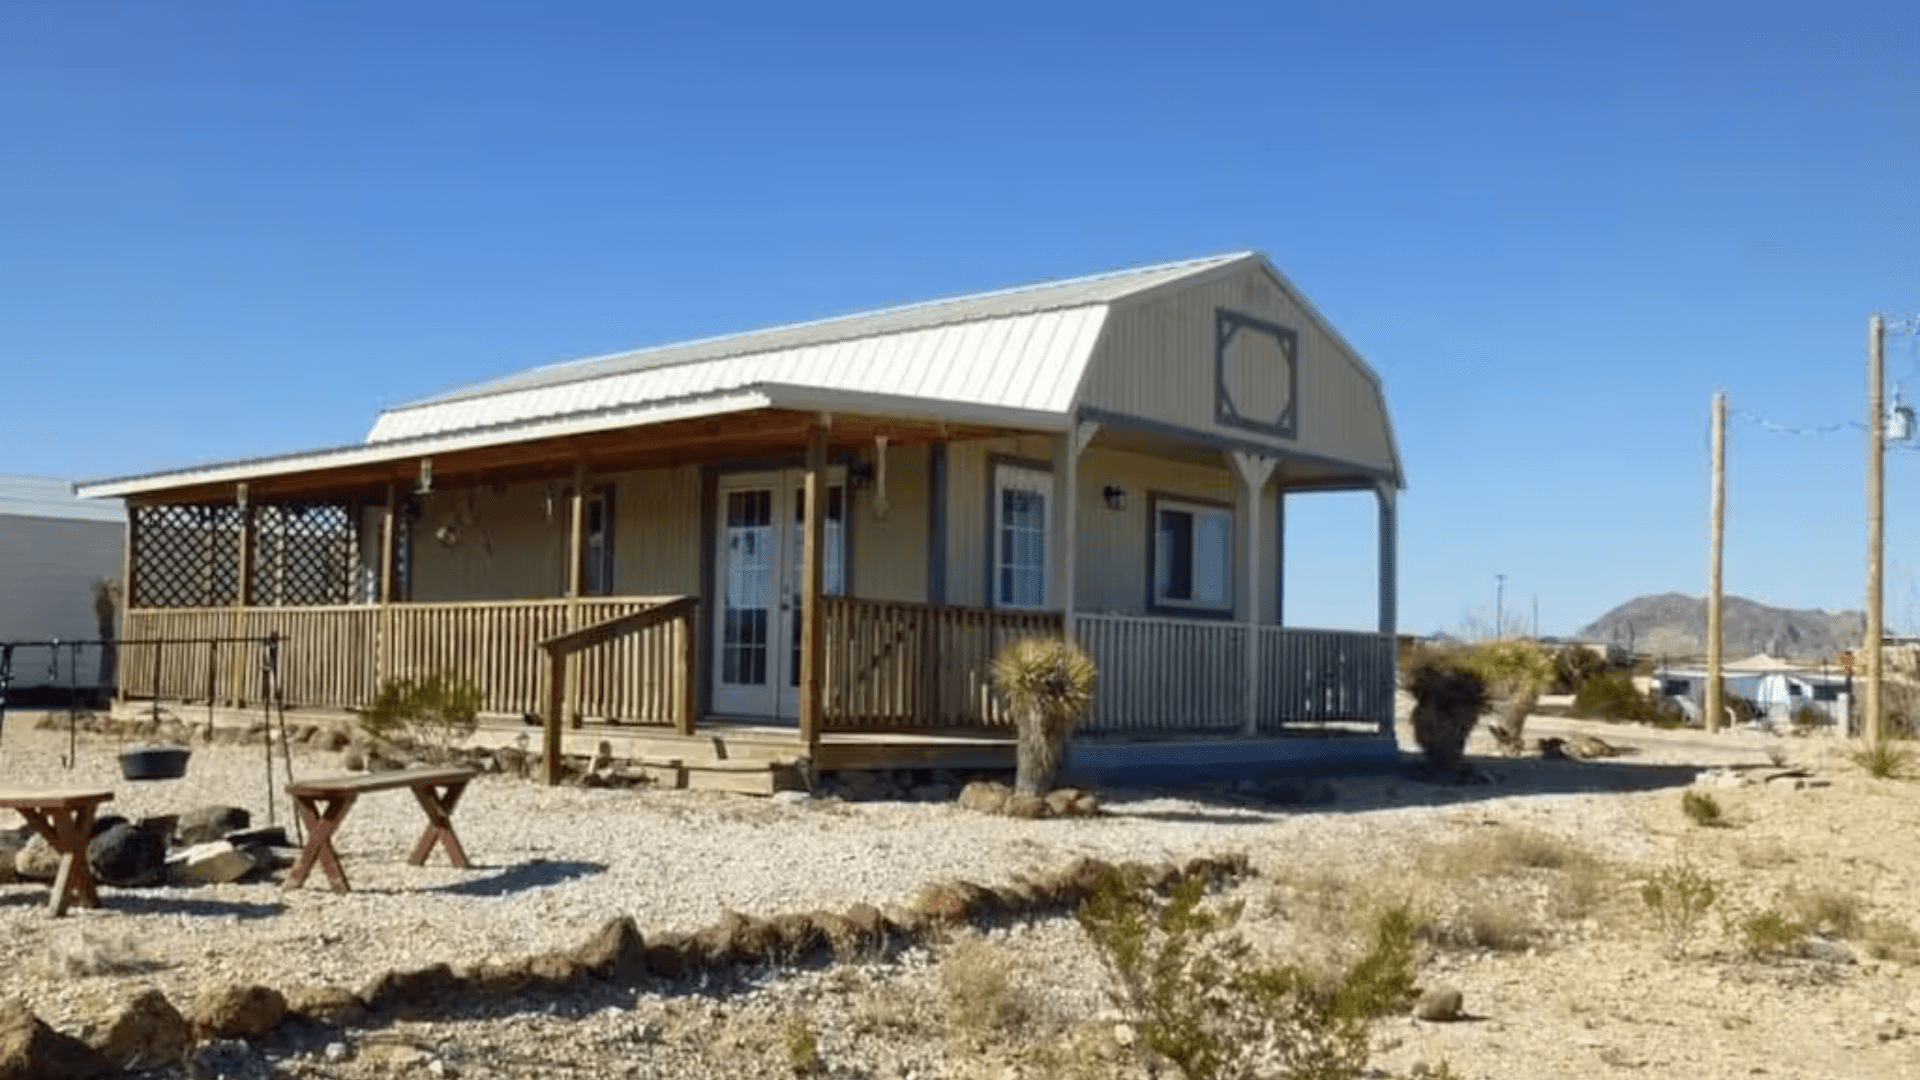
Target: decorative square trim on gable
1245	414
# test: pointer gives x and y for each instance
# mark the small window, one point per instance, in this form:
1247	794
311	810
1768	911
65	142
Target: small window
1826	693
1192	556
598	557
1021	519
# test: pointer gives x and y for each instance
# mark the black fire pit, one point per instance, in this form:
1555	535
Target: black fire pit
154	762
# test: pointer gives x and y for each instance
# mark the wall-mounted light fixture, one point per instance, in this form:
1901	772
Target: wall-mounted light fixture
1116	496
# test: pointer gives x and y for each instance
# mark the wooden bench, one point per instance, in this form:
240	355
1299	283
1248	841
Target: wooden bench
64	816
323	804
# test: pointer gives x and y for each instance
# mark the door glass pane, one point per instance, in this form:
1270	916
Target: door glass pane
834	564
747	615
1023	548
1173	555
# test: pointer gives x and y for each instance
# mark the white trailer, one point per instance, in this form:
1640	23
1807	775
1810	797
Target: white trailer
54	547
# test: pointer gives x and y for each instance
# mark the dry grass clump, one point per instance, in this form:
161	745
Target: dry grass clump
1890	939
1702	809
1503	888
984	998
1827	910
89	953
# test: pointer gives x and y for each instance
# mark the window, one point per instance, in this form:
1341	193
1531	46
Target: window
597	568
1192	553
1021	518
1826	692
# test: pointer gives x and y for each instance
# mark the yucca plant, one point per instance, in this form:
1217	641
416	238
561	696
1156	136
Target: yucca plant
1048	683
1448	697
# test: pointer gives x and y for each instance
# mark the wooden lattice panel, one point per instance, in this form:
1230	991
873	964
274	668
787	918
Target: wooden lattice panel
304	554
186	555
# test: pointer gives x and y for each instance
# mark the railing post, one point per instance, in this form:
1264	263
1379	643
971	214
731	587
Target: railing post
576	577
550	723
688	626
812	577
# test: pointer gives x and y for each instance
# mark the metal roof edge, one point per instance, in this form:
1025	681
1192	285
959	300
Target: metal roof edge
738	399
904	407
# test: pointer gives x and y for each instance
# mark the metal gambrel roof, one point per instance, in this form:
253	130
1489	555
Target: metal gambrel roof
1022	348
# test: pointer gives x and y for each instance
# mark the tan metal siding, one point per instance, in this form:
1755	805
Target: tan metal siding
969	480
890	553
1111	577
1156	361
656	532
508	546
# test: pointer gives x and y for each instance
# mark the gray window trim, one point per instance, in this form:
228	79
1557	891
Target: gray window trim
1184	611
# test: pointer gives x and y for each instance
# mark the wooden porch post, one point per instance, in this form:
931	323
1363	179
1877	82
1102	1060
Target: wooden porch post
576	578
129	592
243	545
813	647
1062	573
1386	497
388	585
1254	471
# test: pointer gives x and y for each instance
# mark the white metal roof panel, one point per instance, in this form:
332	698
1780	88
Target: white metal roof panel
878	352
1023	362
45	497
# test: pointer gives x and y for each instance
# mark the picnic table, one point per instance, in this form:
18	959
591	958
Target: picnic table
64	816
323	804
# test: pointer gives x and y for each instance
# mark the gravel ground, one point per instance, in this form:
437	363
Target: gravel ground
553	864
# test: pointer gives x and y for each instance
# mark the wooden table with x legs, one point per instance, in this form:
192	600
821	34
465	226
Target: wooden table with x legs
323	804
64	816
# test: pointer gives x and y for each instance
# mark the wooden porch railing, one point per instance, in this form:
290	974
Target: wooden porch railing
901	666
1316	676
335	657
1165	675
670	655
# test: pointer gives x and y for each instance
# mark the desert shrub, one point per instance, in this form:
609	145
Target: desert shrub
1200	998
1048	684
1485	922
1770	934
1828	910
1470	875
1745	710
1883	760
1613	697
1702	809
1808	719
1448	696
1900	708
803	1048
1679	897
1573	665
982	997
1515	672
432	712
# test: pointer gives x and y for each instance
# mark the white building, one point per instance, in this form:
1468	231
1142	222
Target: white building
1777	687
53	548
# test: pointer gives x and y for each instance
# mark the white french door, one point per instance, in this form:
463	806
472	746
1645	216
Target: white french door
761	539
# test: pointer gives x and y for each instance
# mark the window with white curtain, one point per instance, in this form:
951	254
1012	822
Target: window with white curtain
1192	556
1022	516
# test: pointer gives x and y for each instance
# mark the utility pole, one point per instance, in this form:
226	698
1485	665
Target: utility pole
1876	515
1715	703
1536	616
1499	605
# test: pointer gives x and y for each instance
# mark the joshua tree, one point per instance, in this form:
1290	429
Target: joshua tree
106	618
1448	696
1049	686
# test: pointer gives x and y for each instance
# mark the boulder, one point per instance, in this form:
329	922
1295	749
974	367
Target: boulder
207	823
236	1011
328	1006
1024	806
270	836
36	860
211	863
128	856
985	796
11	841
668	955
410	993
1439	1004
145	1033
616	953
162	825
30	1050
1060	801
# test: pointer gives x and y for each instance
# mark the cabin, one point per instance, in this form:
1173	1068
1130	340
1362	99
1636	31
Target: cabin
809	541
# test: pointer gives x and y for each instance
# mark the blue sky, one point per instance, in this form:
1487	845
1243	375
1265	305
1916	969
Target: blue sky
229	229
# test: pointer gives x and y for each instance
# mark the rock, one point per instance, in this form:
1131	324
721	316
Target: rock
228	1059
798	936
870	927
163	824
104	822
791	798
616	953
335	1053
1060	801
1827	951
1024	806
270	836
128	857
210	823
145	1033
30	1050
1087	805
553	971
1439	1004
333	739
36	860
328	1006
410	993
1124	1034
211	863
11	841
667	955
985	796
236	1010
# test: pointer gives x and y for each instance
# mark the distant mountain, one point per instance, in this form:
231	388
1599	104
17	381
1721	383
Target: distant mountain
1676	625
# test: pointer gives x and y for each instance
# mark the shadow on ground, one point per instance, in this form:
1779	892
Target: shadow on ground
145	902
1252	800
528	875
